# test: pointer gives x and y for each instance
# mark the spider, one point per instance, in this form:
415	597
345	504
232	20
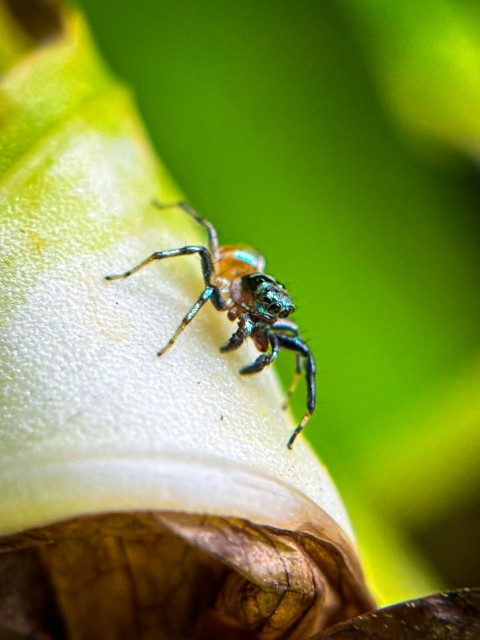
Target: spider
235	282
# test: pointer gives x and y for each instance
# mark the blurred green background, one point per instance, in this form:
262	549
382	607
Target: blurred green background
341	140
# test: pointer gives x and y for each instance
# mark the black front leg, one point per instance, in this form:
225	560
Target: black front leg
264	359
245	328
293	343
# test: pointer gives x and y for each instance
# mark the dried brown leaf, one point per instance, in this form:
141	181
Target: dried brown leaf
176	576
453	615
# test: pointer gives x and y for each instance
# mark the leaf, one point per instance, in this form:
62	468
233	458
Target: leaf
426	57
173	576
454	615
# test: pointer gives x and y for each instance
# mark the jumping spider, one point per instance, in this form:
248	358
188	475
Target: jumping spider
235	282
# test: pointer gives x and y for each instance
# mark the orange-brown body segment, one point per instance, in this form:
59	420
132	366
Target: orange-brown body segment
235	261
232	262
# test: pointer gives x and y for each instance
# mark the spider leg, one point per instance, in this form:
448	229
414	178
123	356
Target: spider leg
211	291
293	343
211	231
206	295
264	359
245	327
207	268
296	378
285	325
282	326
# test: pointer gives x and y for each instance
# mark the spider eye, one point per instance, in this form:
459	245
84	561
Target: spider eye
274	308
284	314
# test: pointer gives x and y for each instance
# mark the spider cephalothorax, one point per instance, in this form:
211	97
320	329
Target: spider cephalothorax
264	298
235	282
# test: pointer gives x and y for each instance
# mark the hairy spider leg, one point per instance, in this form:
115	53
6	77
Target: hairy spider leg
204	296
293	343
264	359
211	291
245	328
282	326
211	231
206	259
294	384
285	325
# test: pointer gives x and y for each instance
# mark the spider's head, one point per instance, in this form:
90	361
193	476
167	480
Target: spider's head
265	298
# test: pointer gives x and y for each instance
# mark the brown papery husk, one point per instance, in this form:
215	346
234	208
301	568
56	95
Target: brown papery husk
453	615
175	576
